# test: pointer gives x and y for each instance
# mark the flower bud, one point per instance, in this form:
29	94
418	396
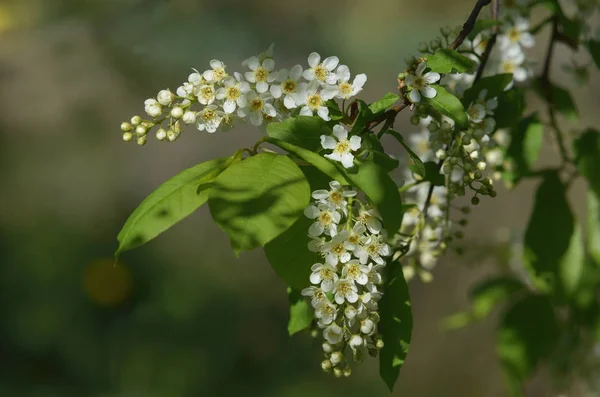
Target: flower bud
337	372
465	210
474	154
379	344
459	234
367	326
347	372
189	117
336	358
493	193
478	175
447	169
135	120
466	178
327	348
176	112
127	136
141	130
172	135
126	127
161	134
463	222
423	47
350	312
326	365
481	165
415	120
141	140
446	31
475	200
165	97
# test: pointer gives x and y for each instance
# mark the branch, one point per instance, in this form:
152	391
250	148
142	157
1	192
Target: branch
470	24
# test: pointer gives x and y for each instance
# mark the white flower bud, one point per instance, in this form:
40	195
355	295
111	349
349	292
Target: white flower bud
165	97
127	136
379	344
172	135
326	365
466	178
367	326
135	120
347	372
350	312
440	154
141	141
177	112
453	160
356	341
327	348
467	167
446	169
161	134
481	166
337	372
189	117
126	127
336	358
474	154
141	130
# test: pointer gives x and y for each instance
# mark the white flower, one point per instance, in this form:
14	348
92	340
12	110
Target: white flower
260	73
342	148
345	290
333	334
344	89
317	295
189	117
165	97
258	107
517	35
476	112
209	119
217	73
312	100
356	272
337	249
196	79
334	197
371	219
268	53
325	312
480	42
374	276
420	142
152	107
419	83
357	233
316	244
326	219
367	326
321	72
323	275
373	247
512	62
205	94
290	83
485	127
233	93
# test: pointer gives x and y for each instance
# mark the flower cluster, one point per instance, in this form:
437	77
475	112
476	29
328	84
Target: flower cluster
347	284
216	100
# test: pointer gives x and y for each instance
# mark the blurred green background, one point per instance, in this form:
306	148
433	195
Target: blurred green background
182	316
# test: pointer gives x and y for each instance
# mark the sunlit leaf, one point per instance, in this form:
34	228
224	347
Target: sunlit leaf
301	313
448	105
419	166
524	148
445	60
303	131
388	100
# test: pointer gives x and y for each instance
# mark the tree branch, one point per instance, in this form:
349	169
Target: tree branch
469	24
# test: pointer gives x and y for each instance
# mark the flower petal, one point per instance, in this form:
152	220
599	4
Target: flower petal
355	142
275	91
340	132
347	160
253	63
343	73
431	77
414	96
323	113
328	142
262	87
296	72
428	92
330	63
314	59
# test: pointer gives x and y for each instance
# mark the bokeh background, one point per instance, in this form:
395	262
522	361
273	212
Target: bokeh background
182	316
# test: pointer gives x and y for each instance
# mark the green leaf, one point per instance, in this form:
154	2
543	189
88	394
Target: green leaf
418	164
495	86
395	325
374	151
257	199
593	227
484	298
335	113
587	158
303	131
561	98
379	187
365	115
288	253
432	174
524	148
550	248
483	24
510	108
320	162
388	100
593	47
170	203
301	313
445	60
527	336
448	105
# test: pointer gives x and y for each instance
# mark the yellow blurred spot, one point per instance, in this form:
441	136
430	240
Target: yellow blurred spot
106	283
6	19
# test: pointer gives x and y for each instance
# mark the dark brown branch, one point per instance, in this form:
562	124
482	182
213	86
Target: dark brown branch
470	24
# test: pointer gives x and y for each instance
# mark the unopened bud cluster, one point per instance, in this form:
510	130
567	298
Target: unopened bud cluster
216	100
347	284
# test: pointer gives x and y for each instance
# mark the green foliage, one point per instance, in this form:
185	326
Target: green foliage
593	47
379	187
552	252
375	152
319	162
419	167
432	174
481	25
524	148
446	60
561	99
288	253
365	115
395	325
335	113
587	158
527	336
484	298
301	313
382	104
593	227
257	199
448	105
495	86
510	108
303	131
170	203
